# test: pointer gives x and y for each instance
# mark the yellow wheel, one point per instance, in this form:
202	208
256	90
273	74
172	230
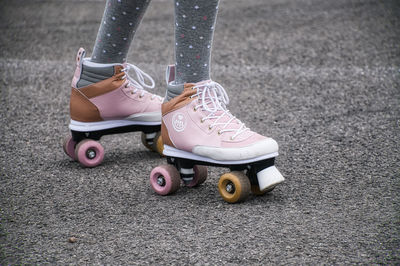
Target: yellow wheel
153	142
158	144
234	187
255	189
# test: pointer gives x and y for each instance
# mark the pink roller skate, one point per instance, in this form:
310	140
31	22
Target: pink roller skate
198	130
106	100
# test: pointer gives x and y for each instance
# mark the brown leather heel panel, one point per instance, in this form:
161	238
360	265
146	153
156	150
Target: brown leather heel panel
165	136
179	101
104	86
81	109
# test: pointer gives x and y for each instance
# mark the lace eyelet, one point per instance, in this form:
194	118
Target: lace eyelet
194	108
132	92
232	138
219	132
209	127
140	96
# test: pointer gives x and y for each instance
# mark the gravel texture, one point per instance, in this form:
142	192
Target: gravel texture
321	77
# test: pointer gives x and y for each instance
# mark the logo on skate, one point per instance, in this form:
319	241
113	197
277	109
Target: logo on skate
179	122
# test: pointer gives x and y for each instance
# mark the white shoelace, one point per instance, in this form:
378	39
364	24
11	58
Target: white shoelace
213	99
140	83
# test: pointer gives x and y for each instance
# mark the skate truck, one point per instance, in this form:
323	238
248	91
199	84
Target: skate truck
257	177
84	146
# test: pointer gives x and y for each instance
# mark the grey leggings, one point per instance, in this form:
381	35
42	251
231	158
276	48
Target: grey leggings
194	30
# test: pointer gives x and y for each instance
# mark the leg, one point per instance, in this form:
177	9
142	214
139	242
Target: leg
203	125
194	30
105	99
196	123
117	29
120	21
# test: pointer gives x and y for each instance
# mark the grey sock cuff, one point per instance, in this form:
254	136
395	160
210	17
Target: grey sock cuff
90	75
173	90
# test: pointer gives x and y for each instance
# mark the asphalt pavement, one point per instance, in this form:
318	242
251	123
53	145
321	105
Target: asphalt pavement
321	77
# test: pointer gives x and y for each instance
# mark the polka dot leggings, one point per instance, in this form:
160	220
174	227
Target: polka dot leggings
120	21
194	30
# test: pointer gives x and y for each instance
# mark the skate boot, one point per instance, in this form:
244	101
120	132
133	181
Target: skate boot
106	100
198	130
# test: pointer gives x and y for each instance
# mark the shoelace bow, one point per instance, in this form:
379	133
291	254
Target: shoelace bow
213	98
140	83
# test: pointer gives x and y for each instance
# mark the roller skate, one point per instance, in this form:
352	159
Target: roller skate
109	101
198	131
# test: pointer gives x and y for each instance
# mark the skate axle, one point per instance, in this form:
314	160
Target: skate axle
90	154
161	181
230	187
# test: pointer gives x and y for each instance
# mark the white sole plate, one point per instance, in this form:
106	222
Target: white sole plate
173	152
94	126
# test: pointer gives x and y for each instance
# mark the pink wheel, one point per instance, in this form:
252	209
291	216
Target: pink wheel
200	175
89	153
69	147
165	179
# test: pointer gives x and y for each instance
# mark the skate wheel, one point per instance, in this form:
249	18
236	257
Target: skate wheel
69	147
165	179
158	144
153	141
89	153
255	189
234	187
200	175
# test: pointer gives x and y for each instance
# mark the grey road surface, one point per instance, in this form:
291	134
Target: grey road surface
321	77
